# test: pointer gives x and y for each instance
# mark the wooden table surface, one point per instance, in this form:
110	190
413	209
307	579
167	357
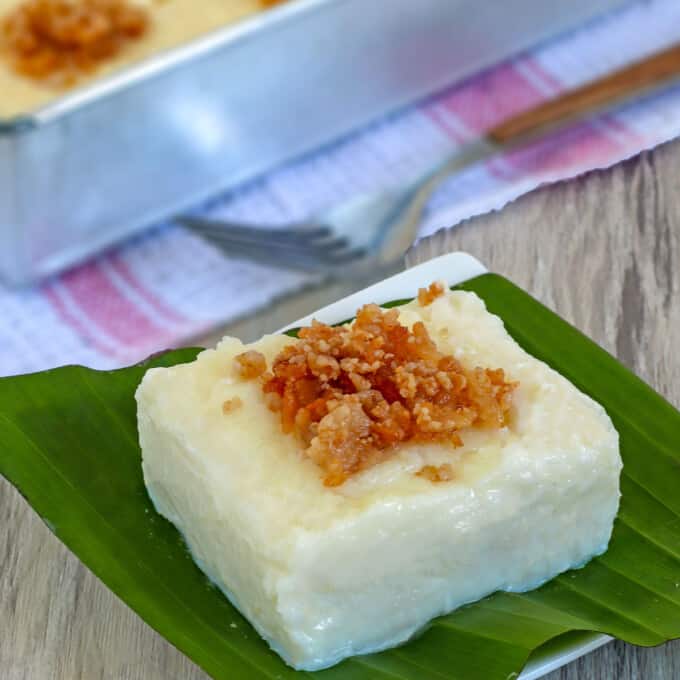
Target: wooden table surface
603	251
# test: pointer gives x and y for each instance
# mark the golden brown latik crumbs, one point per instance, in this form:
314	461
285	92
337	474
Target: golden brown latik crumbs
230	405
352	393
436	473
251	364
426	296
61	40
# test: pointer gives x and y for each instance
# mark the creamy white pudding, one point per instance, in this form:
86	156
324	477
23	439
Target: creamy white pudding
328	571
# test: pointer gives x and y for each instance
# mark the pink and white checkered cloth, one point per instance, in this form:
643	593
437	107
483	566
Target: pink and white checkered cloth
167	286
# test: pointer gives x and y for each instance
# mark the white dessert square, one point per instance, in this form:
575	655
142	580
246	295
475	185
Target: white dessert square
325	572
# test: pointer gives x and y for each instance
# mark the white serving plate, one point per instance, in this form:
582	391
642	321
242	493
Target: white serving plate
455	268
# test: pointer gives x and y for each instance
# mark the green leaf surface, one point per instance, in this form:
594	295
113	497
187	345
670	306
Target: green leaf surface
69	445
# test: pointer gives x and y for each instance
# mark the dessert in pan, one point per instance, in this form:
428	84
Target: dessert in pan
345	486
49	46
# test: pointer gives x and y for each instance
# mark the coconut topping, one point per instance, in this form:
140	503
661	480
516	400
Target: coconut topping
60	40
251	364
436	473
231	405
426	296
352	393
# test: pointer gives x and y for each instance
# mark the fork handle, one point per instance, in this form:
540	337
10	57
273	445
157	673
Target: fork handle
631	81
626	84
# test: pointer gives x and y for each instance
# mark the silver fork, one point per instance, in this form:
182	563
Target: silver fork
375	230
369	230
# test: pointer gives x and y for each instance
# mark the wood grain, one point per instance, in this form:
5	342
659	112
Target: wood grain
603	251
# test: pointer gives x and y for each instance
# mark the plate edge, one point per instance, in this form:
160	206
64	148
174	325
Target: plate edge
454	268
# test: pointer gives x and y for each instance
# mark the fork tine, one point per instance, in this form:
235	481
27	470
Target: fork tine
333	249
330	245
317	248
300	242
297	233
226	238
291	258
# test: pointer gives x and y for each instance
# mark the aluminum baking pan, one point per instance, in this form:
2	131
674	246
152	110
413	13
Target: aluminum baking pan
109	159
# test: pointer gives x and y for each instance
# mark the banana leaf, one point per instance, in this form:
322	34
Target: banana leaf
69	445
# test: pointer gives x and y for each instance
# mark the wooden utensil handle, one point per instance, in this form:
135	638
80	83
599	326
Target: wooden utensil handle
626	83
